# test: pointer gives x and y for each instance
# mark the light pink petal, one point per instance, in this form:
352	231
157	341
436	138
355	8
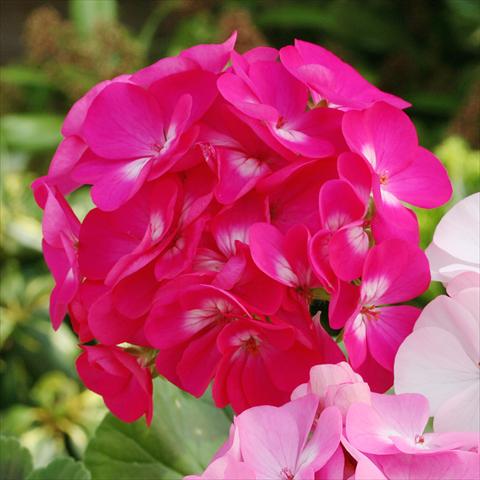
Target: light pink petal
454	316
386	332
367	431
334	468
324	441
464	281
423	183
460	412
406	414
431	361
323	376
367	470
457	234
439	466
394	271
270	438
374	429
344	395
445	267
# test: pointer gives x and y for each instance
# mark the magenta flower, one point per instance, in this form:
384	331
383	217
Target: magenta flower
125	386
394	271
60	228
331	80
402	171
235	196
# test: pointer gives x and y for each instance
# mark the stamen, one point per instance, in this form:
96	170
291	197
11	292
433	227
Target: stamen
370	312
280	122
419	439
286	474
384	178
251	345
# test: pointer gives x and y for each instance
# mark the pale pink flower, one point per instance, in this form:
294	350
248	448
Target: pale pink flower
396	423
456	243
440	359
335	385
275	442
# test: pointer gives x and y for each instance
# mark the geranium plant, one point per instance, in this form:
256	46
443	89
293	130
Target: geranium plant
233	196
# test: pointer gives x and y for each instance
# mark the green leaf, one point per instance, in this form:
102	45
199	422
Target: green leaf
31	132
61	469
24	75
15	460
184	435
86	14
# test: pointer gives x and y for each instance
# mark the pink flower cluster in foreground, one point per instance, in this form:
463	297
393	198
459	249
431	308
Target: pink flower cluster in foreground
335	428
230	192
441	357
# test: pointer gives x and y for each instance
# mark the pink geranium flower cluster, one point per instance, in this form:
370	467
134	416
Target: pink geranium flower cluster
336	428
230	192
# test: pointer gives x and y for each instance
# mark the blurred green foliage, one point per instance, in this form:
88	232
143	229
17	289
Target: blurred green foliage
425	51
